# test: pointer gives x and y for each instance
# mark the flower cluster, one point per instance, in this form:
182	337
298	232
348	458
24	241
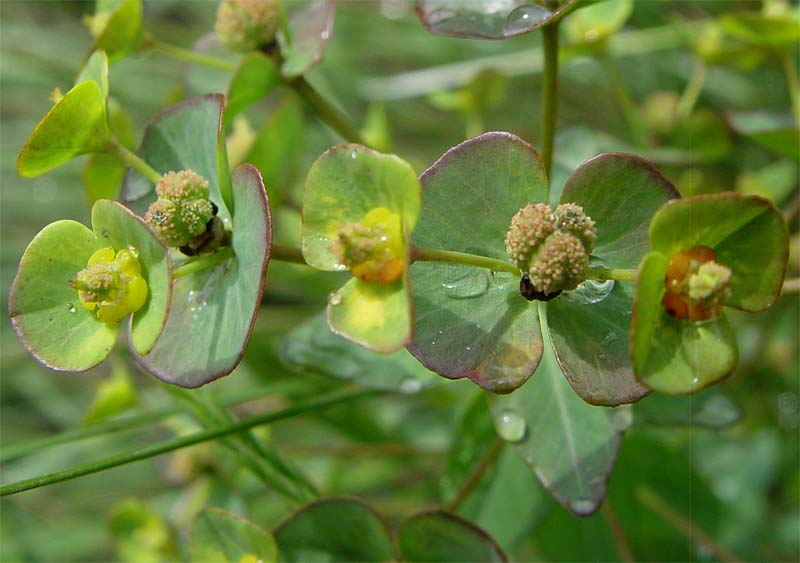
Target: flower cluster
373	249
111	284
551	247
697	286
246	25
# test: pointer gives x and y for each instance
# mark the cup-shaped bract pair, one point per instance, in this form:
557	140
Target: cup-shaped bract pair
74	286
359	209
706	252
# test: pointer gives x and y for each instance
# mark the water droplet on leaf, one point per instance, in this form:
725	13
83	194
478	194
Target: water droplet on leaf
622	418
70	307
410	386
582	506
468	285
589	292
335	298
511	426
525	18
609	338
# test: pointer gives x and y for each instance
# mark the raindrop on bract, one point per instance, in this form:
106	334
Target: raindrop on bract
590	292
525	18
335	298
353	155
104	233
582	506
440	16
409	386
468	285
511	426
70	307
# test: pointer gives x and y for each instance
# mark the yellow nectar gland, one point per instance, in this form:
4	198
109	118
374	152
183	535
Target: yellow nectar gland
111	284
374	248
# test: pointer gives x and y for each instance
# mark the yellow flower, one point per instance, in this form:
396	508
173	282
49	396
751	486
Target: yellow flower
374	248
111	284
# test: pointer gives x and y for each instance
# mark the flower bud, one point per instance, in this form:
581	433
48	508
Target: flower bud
182	210
373	249
551	247
696	285
246	25
182	186
111	284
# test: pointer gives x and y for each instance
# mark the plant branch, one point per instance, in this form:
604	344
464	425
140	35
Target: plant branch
790	70
629	110
549	94
325	110
187	55
453	257
791	286
618	274
287	254
184	441
617	532
131	159
476	475
692	90
683	525
202	262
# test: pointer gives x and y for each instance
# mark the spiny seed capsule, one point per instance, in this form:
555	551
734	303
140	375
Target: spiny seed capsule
182	211
373	249
246	25
696	285
111	284
550	247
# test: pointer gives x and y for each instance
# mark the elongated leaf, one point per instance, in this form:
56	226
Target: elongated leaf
44	308
310	24
76	125
255	77
334	529
116	226
184	136
441	537
747	233
589	327
570	444
314	347
471	322
213	310
218	535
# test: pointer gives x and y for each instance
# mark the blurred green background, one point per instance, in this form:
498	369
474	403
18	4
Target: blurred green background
737	488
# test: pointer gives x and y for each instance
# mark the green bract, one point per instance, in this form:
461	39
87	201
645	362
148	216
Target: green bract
345	188
45	308
75	125
117	27
748	236
218	535
310	24
473	323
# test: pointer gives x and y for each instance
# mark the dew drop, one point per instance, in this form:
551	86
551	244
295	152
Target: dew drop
525	18
695	380
439	17
468	285
469	348
622	418
70	307
609	339
582	506
590	292
353	155
511	426
104	233
602	357
409	386
335	298
339	267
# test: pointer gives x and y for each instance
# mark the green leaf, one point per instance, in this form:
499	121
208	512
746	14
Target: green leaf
139	534
747	233
343	185
621	192
570	444
485	19
777	132
278	148
116	226
709	408
334	529
75	125
44	308
671	355
313	346
378	316
96	69
184	136
123	32
440	537
471	322
213	310
705	133
764	30
254	78
218	535
598	22
310	25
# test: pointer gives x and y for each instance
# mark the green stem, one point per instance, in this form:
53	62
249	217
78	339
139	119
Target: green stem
115	148
474	124
692	90
617	532
618	274
790	69
453	257
187	55
325	110
287	254
476	475
791	286
629	110
549	94
202	262
184	441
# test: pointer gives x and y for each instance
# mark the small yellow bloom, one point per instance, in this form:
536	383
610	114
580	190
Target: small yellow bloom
111	284
374	248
